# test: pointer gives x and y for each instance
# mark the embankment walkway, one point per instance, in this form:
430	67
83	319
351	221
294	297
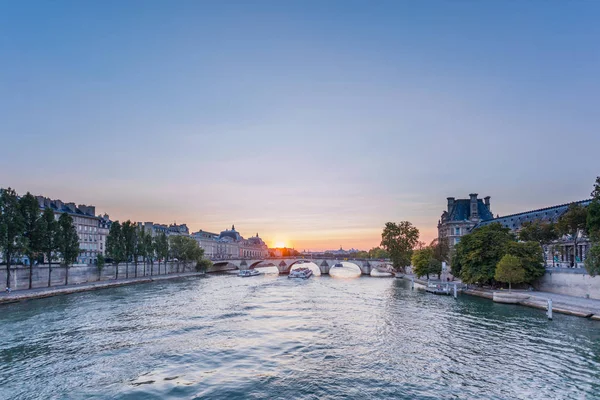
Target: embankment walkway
571	305
20	295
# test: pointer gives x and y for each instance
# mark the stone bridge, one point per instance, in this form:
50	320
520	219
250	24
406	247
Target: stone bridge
284	264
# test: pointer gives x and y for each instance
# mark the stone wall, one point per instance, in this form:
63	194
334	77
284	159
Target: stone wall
572	282
19	275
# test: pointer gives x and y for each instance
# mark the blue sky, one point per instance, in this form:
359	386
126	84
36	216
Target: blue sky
312	123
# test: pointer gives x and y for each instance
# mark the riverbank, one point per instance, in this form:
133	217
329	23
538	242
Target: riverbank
28	294
561	303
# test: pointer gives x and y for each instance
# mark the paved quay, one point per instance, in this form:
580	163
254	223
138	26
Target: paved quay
571	305
38	293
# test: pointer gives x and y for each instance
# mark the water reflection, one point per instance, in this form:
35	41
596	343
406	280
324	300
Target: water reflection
345	270
268	270
311	265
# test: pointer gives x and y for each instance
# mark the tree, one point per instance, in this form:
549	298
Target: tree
377	253
129	241
478	253
176	248
115	245
510	270
593	220
441	250
100	262
531	257
68	242
49	238
572	223
203	265
160	245
148	251
360	254
11	228
140	246
32	234
592	261
539	231
399	240
420	261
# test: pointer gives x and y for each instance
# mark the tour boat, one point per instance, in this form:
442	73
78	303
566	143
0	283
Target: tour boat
302	273
249	272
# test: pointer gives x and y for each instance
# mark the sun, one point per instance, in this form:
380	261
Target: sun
280	245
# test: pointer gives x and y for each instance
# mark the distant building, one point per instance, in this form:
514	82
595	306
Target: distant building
230	244
91	229
461	216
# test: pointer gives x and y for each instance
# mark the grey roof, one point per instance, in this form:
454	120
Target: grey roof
461	211
514	221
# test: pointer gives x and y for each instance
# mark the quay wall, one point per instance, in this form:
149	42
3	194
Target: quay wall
78	274
571	282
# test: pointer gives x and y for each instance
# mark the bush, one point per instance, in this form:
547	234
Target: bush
203	265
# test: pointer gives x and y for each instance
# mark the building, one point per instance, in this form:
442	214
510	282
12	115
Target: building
91	229
461	216
169	230
562	253
230	244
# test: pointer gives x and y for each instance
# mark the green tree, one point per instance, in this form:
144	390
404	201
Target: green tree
531	257
176	249
161	247
420	261
115	245
478	253
203	265
33	230
399	240
129	240
592	261
49	238
441	249
68	242
510	270
377	253
12	227
140	245
539	231
148	251
100	262
572	222
360	255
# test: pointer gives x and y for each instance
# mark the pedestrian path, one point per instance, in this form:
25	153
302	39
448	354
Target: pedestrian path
20	295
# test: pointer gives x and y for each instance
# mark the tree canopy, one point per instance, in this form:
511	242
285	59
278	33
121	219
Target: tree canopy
510	270
399	240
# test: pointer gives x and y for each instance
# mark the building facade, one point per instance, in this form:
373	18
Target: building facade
91	229
230	244
461	216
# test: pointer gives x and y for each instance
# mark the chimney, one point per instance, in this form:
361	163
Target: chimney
474	210
71	207
450	203
486	200
59	205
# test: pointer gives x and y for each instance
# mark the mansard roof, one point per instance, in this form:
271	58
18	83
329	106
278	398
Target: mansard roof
553	213
461	211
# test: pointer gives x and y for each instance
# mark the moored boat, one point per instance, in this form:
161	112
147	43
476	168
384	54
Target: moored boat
249	272
301	273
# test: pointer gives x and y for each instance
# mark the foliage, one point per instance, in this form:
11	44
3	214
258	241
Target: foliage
572	221
100	262
441	249
32	232
378	253
592	262
161	247
203	265
596	192
420	260
129	235
510	270
360	254
593	220
11	228
49	238
530	257
399	240
67	239
538	231
115	244
478	253
185	249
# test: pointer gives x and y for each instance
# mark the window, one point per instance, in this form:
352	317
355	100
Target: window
457	231
456	240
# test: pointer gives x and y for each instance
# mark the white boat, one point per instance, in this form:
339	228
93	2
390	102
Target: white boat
249	272
301	273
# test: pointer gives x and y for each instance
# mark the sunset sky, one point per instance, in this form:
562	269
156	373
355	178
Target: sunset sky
310	122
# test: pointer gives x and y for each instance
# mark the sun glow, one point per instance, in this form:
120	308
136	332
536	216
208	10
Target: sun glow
280	245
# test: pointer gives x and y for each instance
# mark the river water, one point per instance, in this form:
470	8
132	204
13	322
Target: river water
270	337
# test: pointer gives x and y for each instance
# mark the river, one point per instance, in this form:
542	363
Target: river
270	337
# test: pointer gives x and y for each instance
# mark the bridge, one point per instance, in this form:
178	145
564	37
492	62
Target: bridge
285	264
